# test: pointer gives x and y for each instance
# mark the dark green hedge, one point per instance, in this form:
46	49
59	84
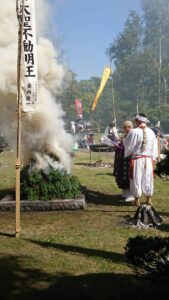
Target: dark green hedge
162	167
149	255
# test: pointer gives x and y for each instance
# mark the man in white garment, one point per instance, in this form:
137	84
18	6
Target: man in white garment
111	131
110	136
73	128
141	144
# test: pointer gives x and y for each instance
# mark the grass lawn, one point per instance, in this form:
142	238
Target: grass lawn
76	254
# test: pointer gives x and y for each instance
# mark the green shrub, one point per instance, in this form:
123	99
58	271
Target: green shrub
57	184
149	255
162	167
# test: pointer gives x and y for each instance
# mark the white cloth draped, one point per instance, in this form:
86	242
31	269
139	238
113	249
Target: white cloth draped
110	130
142	181
133	143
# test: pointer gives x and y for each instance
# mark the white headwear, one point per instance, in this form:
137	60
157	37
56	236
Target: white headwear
142	119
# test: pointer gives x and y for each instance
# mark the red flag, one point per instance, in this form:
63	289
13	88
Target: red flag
78	108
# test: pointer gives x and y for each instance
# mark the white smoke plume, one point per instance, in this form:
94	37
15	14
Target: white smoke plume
43	132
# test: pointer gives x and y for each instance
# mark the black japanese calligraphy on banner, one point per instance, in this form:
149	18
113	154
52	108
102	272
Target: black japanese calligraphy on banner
27	40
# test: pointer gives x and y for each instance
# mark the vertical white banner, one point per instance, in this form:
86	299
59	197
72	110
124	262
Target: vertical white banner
27	41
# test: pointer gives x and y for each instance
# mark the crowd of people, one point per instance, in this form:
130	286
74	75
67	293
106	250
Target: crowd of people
83	134
136	151
135	154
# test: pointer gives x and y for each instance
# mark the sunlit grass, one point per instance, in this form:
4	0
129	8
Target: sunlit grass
73	248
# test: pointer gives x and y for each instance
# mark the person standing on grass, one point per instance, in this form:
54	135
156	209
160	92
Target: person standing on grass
111	132
110	136
141	144
73	128
122	164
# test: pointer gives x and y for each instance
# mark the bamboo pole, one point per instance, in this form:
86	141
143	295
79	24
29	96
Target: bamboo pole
158	141
137	110
159	146
160	59
113	98
18	142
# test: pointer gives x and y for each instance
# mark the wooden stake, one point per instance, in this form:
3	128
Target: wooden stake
113	98
159	145
18	145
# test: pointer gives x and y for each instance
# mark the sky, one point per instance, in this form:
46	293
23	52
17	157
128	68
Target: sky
86	28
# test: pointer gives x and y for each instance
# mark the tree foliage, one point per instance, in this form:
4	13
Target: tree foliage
140	55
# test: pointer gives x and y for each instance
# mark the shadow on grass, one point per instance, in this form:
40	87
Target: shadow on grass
7	234
164	227
116	257
20	282
165	214
103	199
5	192
104	286
106	174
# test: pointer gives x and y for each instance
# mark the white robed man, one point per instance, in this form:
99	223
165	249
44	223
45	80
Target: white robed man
110	136
141	144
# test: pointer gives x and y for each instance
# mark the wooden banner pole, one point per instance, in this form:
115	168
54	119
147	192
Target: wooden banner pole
18	142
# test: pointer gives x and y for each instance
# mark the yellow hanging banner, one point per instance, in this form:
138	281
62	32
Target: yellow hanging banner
105	77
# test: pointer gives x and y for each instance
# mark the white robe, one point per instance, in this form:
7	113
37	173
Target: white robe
142	180
110	130
105	137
